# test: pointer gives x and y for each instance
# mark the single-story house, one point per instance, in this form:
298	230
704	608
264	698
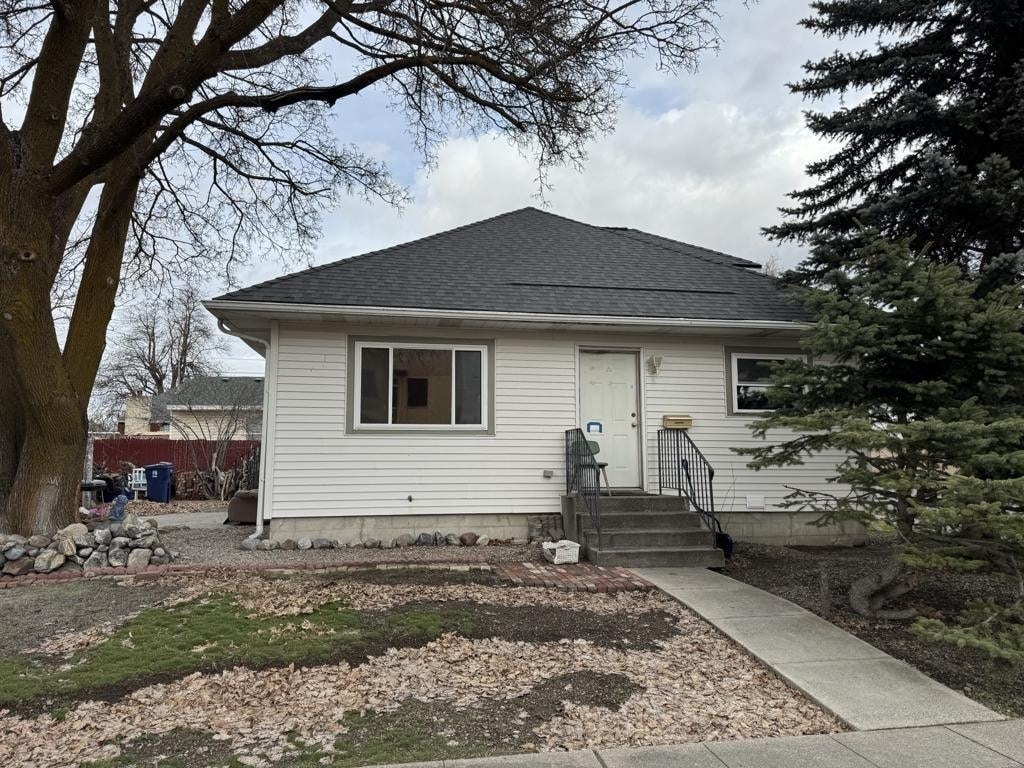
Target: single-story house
447	384
200	408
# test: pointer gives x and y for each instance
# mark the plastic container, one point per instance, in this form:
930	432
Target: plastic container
159	481
563	551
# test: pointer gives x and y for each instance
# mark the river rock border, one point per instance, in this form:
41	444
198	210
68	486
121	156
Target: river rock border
435	539
133	543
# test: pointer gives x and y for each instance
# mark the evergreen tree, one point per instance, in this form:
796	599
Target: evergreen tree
915	376
933	150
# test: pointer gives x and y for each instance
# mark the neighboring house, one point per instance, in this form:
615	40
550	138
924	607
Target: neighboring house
429	386
202	408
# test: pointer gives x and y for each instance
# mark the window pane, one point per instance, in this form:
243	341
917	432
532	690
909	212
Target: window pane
422	386
751	371
468	387
373	402
751	398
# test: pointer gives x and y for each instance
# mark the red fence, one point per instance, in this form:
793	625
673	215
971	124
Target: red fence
109	452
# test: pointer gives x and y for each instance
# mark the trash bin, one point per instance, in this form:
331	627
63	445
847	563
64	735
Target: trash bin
159	481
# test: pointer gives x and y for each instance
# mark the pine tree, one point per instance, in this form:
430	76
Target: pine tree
915	376
934	150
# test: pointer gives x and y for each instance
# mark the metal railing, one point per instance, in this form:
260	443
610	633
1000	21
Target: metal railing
582	479
683	468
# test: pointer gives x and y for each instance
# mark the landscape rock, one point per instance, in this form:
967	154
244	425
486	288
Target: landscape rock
48	560
102	547
102	535
96	560
425	540
289	544
249	545
144	542
70	566
116	529
138	558
85	540
387	543
66	545
405	540
265	546
468	539
151	522
18	567
159	560
118	557
73	530
322	543
452	540
15	553
39	541
76	559
438	539
11	539
305	543
85	551
371	543
483	541
355	544
120	542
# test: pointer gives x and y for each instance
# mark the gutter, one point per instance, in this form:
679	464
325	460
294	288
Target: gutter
262	495
483	315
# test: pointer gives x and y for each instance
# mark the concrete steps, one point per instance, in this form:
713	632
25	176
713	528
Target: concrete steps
646	531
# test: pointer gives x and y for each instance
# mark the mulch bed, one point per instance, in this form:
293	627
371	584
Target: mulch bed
819	579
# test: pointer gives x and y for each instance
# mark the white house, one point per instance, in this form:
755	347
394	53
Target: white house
436	385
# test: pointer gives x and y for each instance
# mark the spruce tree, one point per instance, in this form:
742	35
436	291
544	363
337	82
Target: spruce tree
930	137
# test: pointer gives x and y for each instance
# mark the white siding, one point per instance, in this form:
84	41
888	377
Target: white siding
319	470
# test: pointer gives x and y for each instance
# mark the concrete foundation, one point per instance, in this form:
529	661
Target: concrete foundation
360	528
790	529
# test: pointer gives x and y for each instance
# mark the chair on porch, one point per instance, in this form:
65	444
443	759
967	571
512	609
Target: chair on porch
602	466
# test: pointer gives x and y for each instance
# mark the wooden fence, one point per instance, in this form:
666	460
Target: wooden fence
111	452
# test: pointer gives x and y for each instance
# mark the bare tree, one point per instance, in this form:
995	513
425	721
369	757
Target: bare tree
159	346
209	432
154	131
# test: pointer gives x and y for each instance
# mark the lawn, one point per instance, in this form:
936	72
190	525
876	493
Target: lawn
819	579
367	668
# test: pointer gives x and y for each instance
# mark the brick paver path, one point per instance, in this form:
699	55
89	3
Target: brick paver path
579	577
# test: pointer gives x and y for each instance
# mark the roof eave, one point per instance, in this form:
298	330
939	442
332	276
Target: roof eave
216	306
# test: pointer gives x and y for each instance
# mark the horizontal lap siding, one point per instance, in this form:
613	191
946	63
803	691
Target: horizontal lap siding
692	380
319	470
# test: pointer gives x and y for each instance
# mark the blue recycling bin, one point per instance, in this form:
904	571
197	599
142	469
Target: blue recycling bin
159	481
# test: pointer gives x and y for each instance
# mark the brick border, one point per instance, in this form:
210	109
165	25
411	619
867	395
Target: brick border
582	577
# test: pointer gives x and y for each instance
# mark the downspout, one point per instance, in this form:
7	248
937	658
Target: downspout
262	494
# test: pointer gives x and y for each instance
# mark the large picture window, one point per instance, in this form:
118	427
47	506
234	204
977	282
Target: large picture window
417	386
751	376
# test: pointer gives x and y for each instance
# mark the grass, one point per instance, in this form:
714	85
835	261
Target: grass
216	633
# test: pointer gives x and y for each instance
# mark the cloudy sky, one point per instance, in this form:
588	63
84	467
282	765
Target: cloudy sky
706	157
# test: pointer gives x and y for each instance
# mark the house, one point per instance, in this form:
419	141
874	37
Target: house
439	385
201	408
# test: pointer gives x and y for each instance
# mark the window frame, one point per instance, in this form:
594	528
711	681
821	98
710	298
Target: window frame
391	345
734	381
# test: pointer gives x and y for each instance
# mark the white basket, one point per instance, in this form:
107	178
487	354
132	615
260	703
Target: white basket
563	551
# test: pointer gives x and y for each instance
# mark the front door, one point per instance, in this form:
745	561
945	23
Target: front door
610	412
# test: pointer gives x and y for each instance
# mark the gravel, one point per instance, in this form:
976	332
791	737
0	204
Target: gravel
221	547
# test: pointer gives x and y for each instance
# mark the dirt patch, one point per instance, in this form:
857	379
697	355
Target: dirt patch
180	748
419	731
34	615
819	579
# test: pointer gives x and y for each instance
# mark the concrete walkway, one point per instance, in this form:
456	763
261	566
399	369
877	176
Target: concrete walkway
864	687
978	745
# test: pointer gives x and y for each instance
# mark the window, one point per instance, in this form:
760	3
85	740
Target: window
416	386
751	375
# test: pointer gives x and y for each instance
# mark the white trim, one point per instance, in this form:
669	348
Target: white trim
179	407
266	494
734	357
453	347
529	317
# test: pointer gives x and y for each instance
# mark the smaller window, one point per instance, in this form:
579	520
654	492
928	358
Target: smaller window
751	376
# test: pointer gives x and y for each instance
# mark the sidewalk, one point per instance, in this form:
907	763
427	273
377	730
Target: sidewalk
864	687
978	745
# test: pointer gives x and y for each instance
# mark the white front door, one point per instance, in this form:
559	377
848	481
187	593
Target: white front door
610	412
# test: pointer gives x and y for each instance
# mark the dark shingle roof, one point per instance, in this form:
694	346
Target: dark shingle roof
536	262
228	391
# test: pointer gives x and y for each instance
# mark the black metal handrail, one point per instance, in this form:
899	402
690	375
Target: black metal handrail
682	467
582	478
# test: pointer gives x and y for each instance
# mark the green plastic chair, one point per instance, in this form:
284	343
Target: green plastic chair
602	466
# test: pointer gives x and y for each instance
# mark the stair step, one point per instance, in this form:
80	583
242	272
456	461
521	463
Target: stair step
672	520
632	538
646	557
643	503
